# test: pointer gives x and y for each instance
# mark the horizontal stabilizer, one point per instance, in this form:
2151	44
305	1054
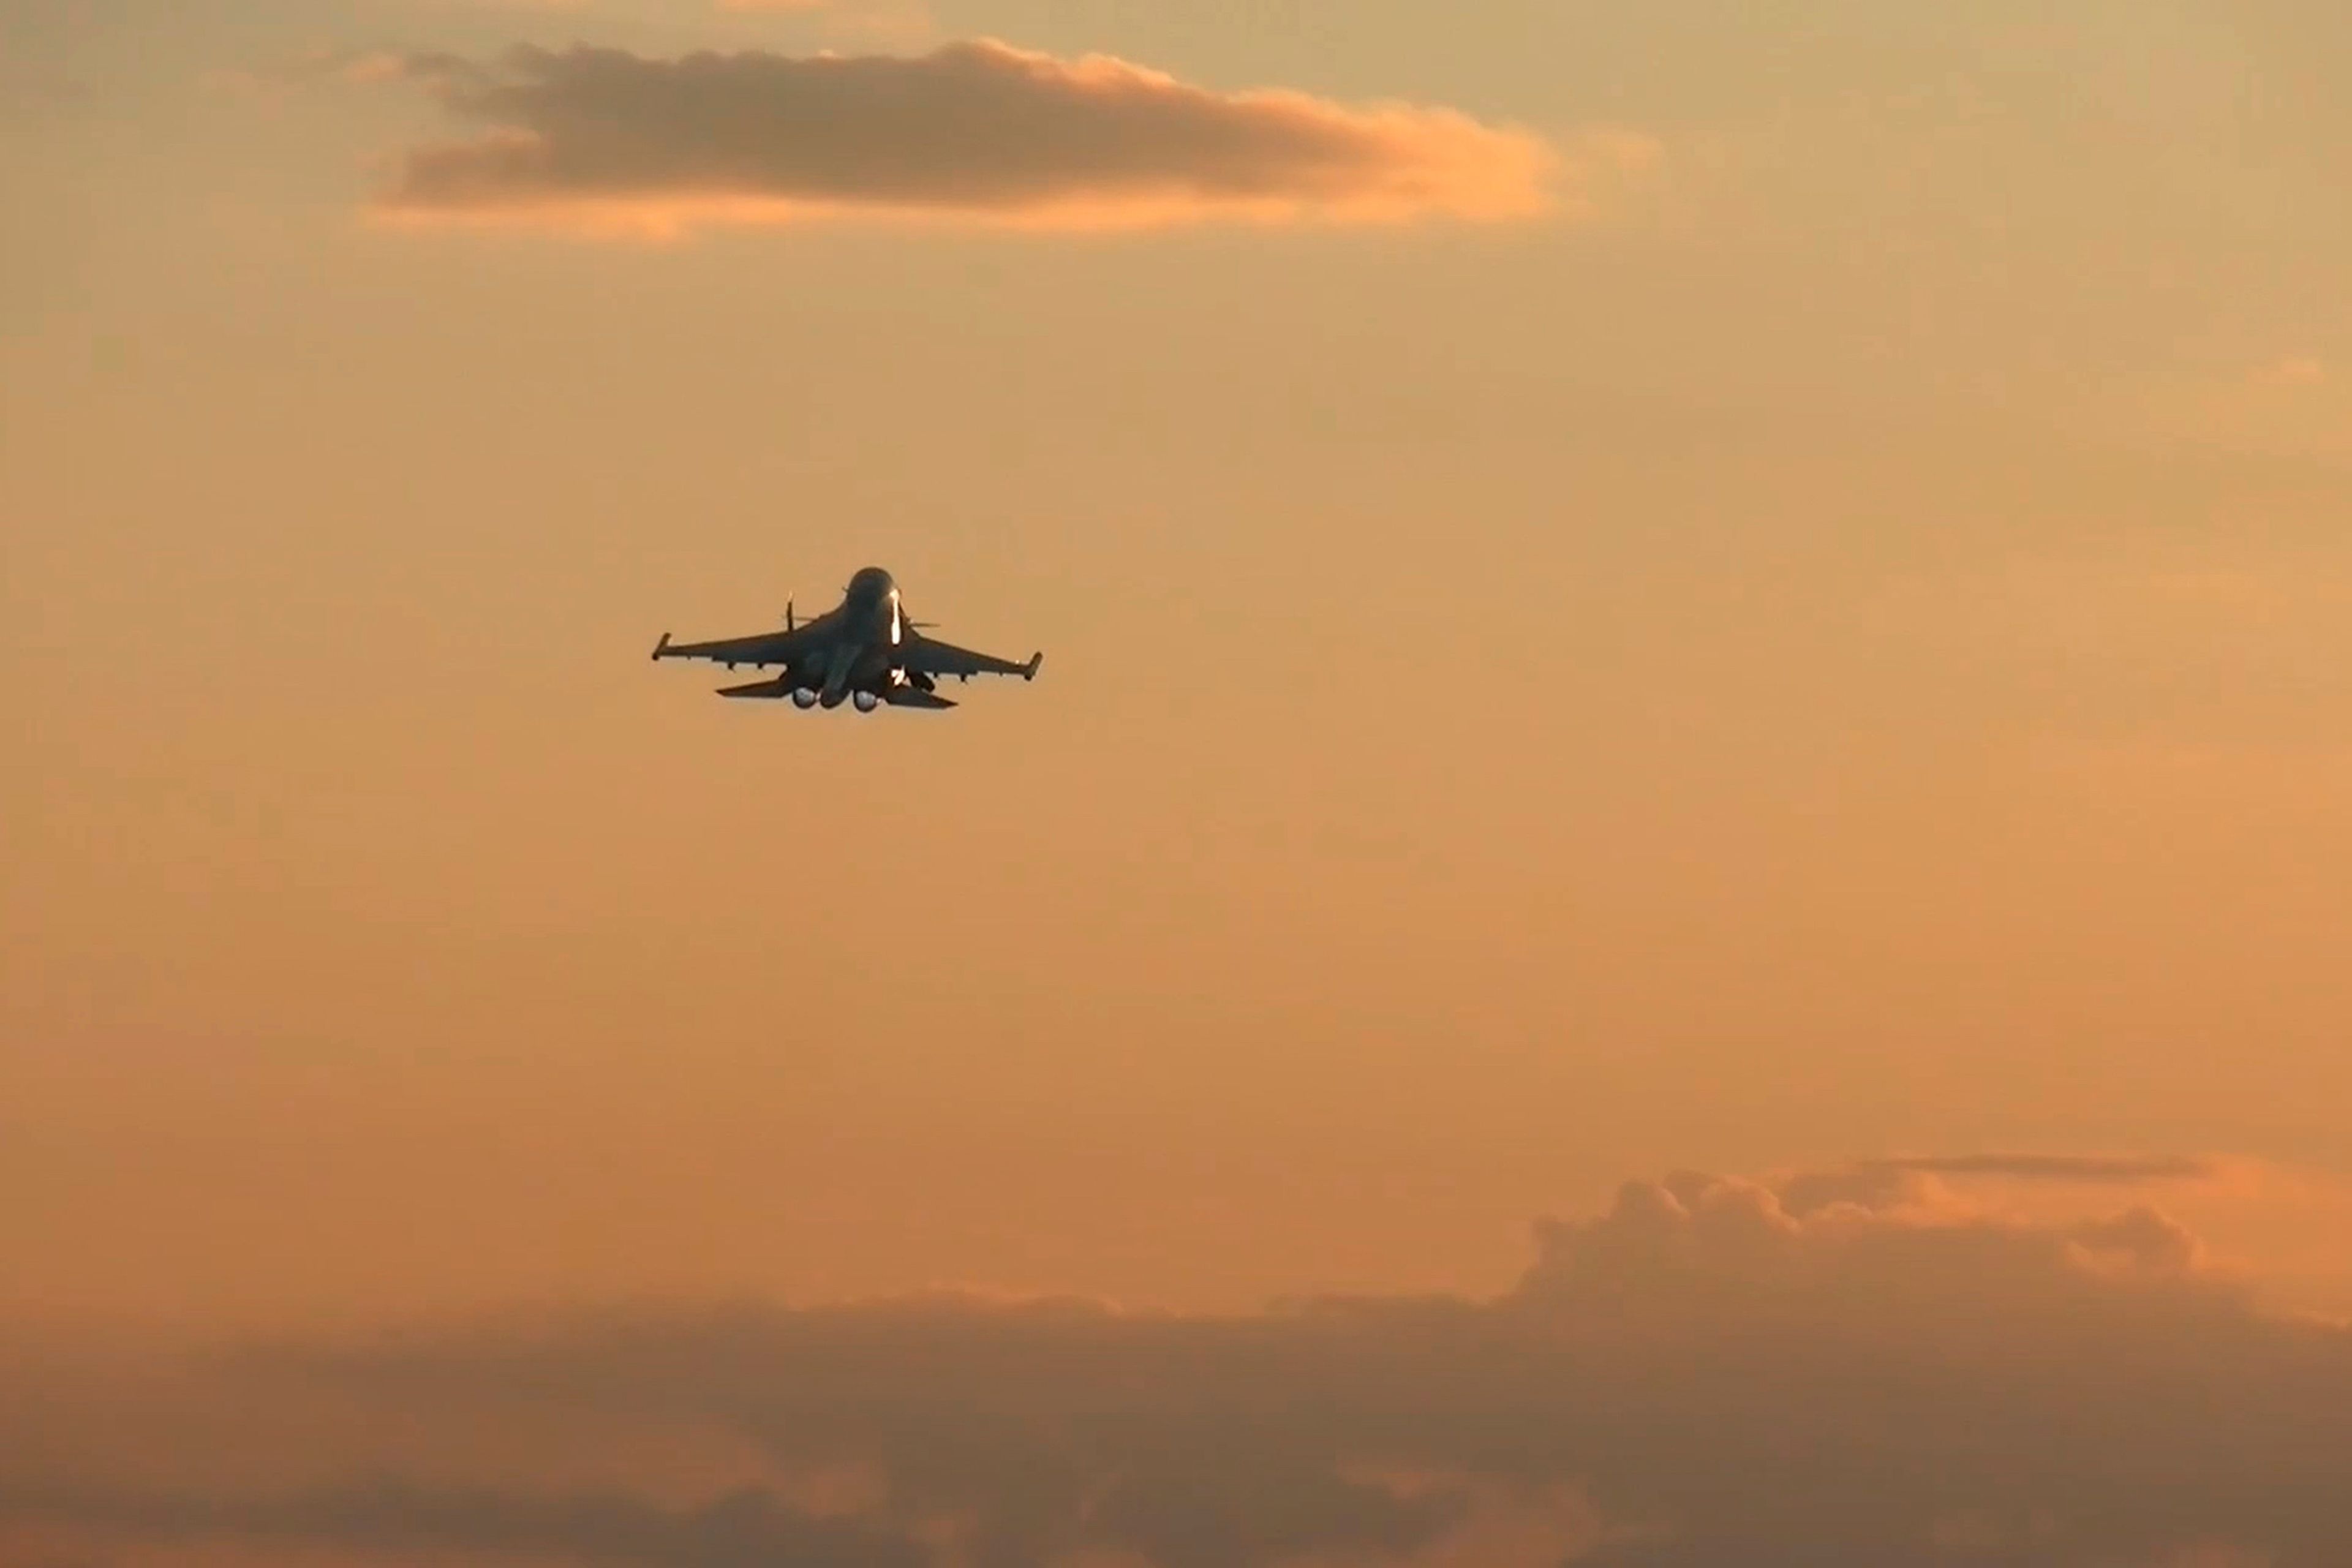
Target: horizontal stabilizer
778	687
915	697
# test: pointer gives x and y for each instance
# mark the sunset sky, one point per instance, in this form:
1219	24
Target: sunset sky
1759	588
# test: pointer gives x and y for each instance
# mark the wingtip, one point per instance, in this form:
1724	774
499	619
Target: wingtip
1034	660
662	646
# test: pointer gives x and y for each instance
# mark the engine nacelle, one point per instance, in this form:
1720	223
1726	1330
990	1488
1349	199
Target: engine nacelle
867	701
803	698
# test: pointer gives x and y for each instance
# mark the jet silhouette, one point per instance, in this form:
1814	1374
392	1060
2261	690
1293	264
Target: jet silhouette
865	652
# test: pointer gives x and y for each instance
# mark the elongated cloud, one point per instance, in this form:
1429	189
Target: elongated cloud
972	131
1909	1180
1699	1376
2125	1169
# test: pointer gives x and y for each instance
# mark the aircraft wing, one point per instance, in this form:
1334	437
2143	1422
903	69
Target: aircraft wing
929	656
763	648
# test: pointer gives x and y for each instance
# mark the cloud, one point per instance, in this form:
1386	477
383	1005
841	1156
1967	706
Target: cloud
1909	1182
2056	1167
974	132
2298	370
1698	1376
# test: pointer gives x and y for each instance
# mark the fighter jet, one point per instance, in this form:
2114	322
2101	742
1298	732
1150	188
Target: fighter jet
866	652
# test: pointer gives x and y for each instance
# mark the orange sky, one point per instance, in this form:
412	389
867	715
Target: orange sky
1823	639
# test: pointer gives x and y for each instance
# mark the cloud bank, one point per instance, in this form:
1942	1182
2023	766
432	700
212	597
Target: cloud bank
1699	1377
974	132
